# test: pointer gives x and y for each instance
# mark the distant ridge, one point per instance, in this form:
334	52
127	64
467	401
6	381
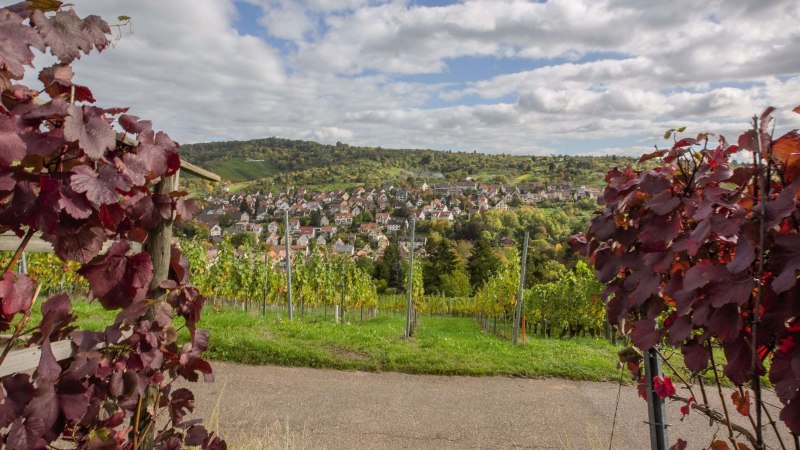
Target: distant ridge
303	163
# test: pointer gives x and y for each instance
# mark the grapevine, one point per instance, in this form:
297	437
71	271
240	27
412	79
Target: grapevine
78	175
699	251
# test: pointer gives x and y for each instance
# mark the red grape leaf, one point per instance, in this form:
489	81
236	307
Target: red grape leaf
12	147
134	169
652	155
45	212
80	242
196	435
27	435
663	387
16	291
790	415
181	403
644	334
742	403
186	210
48	368
695	356
98	191
739	356
702	273
118	280
42	143
785	260
745	255
179	266
687	408
20	393
681	444
92	133
679	329
55	314
45	407
74	203
15	42
132	124
96	29
66	34
719	445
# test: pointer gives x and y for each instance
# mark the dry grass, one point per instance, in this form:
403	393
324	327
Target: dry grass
254	434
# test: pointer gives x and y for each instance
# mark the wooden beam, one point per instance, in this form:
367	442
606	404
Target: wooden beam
186	166
27	359
10	241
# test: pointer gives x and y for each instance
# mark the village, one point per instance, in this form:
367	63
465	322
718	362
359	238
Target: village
363	221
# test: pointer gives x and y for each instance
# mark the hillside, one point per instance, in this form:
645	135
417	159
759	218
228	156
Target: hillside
305	163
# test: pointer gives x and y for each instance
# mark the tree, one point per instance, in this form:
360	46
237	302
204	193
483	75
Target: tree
482	262
390	267
244	239
543	265
193	230
455	283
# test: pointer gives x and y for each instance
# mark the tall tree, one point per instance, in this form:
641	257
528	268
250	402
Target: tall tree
482	262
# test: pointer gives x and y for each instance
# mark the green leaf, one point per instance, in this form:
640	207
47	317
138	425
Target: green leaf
681	129
668	133
123	18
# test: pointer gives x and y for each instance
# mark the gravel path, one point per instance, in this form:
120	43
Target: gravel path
280	407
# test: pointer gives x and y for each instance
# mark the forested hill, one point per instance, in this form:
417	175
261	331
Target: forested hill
307	163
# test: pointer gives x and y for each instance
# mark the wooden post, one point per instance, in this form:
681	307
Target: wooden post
410	278
288	266
159	246
159	240
518	314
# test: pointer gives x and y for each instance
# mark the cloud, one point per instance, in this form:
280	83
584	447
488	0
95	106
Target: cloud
564	75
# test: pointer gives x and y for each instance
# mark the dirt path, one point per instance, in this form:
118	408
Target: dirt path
263	407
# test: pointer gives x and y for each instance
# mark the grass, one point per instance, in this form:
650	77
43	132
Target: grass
441	345
444	346
238	170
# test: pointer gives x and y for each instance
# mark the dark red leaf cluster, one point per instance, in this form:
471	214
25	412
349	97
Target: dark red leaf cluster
83	176
678	247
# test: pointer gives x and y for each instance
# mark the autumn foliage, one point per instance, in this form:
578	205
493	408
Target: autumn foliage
703	248
81	175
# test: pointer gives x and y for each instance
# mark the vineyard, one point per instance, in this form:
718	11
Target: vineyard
247	279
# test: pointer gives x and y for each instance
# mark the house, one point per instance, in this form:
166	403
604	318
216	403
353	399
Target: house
395	225
343	219
501	205
273	227
303	240
341	247
294	225
324	221
215	232
245	217
273	239
382	218
308	231
321	241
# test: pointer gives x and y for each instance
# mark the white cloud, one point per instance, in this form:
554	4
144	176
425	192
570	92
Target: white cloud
585	70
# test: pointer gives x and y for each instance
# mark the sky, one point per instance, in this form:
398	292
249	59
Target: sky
591	77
